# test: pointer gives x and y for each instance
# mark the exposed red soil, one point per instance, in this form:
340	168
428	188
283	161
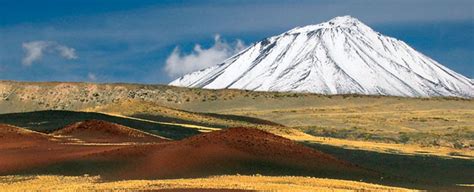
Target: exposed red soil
98	131
22	149
11	136
230	151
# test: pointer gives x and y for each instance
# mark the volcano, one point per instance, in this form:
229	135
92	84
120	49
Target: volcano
340	56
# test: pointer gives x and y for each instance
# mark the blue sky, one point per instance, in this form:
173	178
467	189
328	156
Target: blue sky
135	41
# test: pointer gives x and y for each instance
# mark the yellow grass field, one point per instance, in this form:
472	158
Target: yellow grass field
406	149
296	134
377	146
256	183
433	122
440	127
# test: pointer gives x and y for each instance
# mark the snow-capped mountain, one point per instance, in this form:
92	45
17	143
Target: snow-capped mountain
340	56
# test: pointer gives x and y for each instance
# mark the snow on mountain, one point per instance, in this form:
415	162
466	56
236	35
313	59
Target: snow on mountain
340	56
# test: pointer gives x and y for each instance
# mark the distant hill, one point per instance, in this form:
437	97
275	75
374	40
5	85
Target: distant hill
34	96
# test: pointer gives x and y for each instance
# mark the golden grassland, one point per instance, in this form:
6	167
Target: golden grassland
392	148
428	122
466	185
434	123
258	183
191	126
291	133
298	134
206	122
368	113
382	113
142	108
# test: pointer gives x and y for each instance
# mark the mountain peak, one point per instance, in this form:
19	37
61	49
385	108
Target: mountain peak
346	21
339	56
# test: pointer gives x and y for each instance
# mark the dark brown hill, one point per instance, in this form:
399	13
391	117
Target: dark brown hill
98	131
231	151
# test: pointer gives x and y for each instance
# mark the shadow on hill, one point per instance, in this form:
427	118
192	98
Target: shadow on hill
51	120
231	151
210	123
412	171
242	118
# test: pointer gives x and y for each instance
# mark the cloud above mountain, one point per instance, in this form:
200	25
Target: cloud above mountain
34	51
179	63
132	40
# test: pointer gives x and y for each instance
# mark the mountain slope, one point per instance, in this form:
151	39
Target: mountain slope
341	56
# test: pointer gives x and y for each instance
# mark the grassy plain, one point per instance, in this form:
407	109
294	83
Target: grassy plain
447	122
251	183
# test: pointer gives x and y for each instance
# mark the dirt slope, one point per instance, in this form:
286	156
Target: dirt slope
22	149
98	131
11	136
230	151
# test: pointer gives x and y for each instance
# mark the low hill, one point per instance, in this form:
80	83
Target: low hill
23	150
50	121
145	116
156	112
232	151
11	136
12	132
98	131
229	151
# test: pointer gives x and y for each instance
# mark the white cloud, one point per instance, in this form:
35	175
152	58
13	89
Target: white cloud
91	77
34	51
66	52
179	64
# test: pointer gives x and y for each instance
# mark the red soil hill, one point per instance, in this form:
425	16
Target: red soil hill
22	149
231	151
98	131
